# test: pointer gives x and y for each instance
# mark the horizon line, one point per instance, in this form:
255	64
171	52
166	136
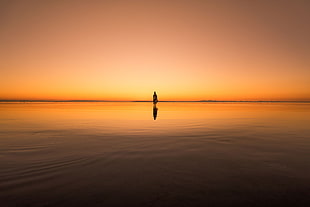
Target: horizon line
43	100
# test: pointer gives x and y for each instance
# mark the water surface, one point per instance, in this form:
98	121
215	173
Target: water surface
116	154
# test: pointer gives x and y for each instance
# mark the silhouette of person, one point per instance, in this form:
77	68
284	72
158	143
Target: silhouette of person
155	100
155	109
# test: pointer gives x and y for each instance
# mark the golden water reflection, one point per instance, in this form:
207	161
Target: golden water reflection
191	147
124	116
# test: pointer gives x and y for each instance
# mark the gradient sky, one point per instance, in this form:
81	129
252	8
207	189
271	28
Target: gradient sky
185	50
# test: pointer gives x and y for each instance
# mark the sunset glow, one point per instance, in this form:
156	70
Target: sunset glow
184	50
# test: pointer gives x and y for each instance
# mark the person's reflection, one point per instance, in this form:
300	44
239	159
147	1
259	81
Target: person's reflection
155	109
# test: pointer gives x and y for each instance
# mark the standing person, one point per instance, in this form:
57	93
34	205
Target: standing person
155	100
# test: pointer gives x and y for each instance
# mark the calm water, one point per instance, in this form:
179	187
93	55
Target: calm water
116	154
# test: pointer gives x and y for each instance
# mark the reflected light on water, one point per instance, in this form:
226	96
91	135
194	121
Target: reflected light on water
153	154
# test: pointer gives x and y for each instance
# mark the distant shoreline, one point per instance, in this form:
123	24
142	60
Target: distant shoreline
202	101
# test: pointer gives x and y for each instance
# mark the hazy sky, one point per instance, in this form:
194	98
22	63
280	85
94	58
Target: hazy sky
185	50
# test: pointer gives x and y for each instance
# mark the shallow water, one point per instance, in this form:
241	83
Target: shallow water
116	154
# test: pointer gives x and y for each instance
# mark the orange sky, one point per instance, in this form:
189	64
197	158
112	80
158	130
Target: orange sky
185	50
